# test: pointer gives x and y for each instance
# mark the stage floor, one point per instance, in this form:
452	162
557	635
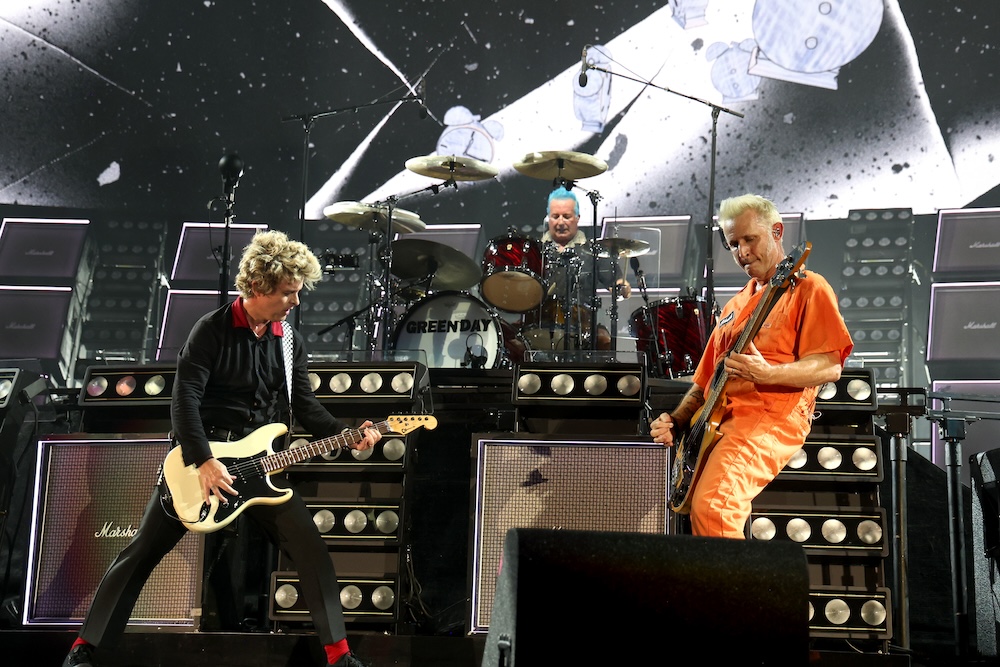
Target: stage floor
145	648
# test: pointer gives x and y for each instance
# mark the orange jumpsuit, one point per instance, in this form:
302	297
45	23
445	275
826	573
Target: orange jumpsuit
761	426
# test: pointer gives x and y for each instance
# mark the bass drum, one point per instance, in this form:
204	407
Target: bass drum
456	330
673	333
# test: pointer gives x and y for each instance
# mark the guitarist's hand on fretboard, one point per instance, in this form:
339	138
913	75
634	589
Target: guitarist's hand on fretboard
372	435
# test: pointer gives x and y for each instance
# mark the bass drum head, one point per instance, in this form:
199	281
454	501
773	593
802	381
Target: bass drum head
448	327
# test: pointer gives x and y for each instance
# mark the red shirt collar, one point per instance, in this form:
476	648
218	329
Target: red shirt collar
240	318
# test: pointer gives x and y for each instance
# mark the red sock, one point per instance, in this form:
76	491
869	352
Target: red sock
78	642
335	652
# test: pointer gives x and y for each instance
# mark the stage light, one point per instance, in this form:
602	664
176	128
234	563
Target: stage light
138	384
838	531
849	613
389	382
584	385
364	599
389	453
357	523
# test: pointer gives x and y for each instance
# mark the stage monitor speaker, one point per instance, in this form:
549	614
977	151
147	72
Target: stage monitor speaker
621	596
961	336
531	481
90	494
182	308
985	470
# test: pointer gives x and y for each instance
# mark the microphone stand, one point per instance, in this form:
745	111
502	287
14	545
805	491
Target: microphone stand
230	198
308	120
716	110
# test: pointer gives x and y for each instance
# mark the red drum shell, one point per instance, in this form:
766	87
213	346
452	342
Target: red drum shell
512	274
682	325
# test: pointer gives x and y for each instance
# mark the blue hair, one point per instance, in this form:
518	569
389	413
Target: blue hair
562	193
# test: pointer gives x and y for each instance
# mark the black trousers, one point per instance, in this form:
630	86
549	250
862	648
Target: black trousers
288	525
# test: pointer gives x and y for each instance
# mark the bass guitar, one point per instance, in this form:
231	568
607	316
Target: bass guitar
251	461
702	434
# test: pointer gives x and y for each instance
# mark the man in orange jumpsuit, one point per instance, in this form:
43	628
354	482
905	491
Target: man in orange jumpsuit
769	396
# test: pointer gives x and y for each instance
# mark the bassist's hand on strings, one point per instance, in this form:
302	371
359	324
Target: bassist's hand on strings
663	429
751	366
215	480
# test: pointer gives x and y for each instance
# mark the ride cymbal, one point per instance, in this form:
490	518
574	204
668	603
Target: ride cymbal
570	165
451	167
451	269
374	216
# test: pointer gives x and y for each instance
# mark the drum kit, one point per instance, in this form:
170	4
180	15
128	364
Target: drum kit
420	299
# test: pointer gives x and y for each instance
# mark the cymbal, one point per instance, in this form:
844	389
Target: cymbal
374	216
621	247
452	167
451	269
555	164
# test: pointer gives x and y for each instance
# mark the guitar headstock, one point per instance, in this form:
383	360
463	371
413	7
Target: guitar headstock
403	424
790	265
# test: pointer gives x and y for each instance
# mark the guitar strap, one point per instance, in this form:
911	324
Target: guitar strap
287	342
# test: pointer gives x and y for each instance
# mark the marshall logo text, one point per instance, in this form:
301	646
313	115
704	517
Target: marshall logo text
117	531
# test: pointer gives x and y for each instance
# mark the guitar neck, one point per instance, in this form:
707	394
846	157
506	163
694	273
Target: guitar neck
344	440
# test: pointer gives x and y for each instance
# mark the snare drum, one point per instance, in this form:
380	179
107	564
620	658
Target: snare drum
457	330
512	274
682	326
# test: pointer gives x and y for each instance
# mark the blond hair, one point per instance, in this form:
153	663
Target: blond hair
270	259
765	209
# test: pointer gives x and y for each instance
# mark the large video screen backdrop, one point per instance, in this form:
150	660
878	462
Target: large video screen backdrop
130	104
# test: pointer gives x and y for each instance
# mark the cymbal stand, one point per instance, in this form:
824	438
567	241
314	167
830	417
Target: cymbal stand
308	120
376	287
595	301
716	110
385	322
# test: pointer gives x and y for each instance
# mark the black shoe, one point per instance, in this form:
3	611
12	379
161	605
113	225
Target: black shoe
80	656
350	660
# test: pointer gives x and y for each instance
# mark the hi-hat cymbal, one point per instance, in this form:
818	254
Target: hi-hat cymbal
452	167
451	269
374	216
560	164
621	247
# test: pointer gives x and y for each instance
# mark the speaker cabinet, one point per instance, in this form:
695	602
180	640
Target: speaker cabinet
621	595
90	493
522	481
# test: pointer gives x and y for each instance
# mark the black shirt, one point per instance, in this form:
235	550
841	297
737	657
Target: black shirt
228	378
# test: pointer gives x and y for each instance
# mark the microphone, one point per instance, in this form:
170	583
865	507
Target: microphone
634	262
231	168
583	67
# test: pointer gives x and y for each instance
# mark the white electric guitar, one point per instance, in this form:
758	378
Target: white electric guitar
251	461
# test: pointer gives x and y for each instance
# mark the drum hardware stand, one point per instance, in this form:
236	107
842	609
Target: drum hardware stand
952	429
716	110
595	301
350	319
308	120
647	313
